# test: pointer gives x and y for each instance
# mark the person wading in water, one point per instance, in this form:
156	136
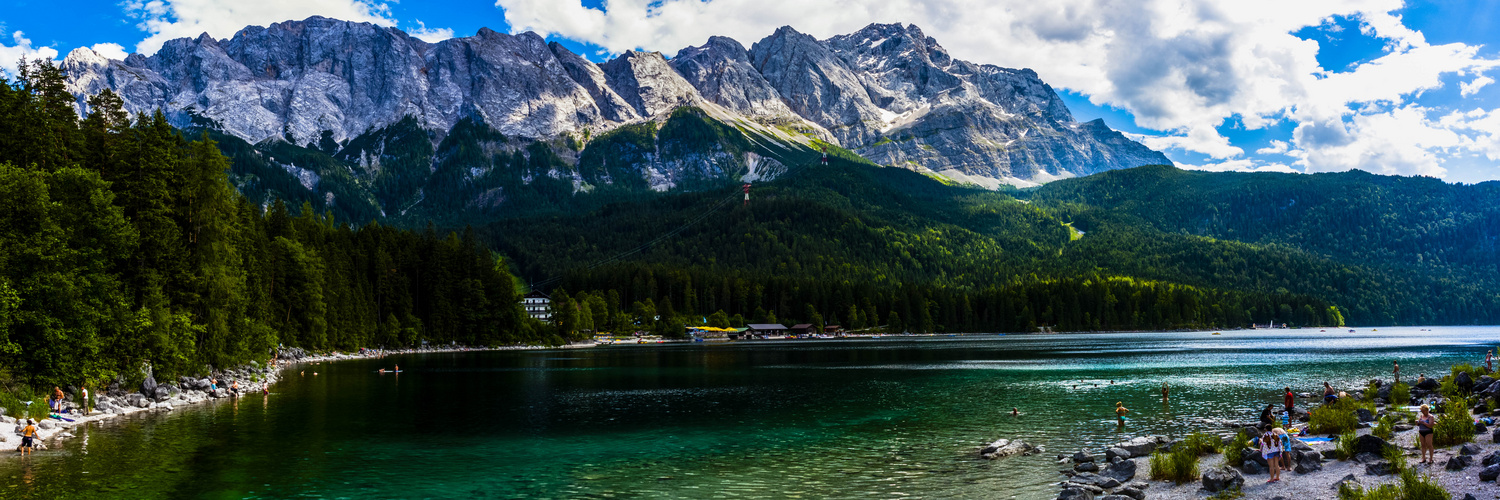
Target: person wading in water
1120	411
1164	391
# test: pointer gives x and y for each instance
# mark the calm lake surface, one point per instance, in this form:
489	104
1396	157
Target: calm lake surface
794	419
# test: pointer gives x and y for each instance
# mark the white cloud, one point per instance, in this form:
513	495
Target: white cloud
10	55
110	50
170	19
1471	88
1276	148
430	35
1182	67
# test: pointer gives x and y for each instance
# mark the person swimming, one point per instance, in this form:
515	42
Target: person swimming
1015	412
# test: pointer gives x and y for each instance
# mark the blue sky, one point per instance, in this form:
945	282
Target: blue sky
1382	85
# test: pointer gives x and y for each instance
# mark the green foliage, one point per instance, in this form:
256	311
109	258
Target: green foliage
1343	445
1200	443
1336	418
1400	394
1179	466
1411	487
1455	425
1227	494
1384	428
1234	452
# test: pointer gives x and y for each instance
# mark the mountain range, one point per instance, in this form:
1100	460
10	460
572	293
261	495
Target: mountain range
371	122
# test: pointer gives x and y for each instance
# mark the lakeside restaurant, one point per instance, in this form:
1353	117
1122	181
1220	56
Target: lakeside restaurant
761	330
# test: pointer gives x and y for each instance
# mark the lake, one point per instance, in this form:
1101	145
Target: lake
789	419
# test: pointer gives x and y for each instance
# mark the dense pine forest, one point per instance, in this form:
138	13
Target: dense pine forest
122	245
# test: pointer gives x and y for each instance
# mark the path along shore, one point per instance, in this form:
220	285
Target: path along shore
166	396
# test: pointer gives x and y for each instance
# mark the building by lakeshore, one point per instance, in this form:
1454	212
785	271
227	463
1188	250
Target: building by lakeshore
538	305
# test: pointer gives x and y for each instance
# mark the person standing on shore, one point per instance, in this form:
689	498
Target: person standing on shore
1290	400
1270	449
1120	411
83	392
1396	370
1489	358
1425	422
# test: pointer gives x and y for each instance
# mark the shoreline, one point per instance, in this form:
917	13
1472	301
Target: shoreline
189	391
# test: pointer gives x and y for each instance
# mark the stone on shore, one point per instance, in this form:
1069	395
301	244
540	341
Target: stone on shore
1364	415
1121	471
1470	449
1370	444
1112	453
1489	473
1086	467
1075	494
1306	461
1141	446
1483	383
1463	381
1381	468
1253	468
1347	479
1491	459
1082	456
1459	462
1224	478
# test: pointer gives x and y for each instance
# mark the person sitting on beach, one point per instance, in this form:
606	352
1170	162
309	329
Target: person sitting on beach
1266	417
28	437
1425	423
1328	394
1120	411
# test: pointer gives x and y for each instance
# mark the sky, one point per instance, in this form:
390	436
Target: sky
1387	86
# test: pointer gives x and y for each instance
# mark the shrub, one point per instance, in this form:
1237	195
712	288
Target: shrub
1228	494
1383	429
1397	458
1199	443
1411	487
1455	425
1400	394
1234	452
1179	466
1344	445
1336	418
1370	391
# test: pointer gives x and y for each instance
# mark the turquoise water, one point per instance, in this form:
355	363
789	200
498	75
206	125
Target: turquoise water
795	419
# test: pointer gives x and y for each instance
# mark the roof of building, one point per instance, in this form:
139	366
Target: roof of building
536	295
803	326
766	326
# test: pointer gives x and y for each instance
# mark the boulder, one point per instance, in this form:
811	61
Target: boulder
1480	428
1469	496
1220	479
1141	446
1427	385
1082	456
1347	479
148	386
1384	392
1075	494
998	449
1306	461
1495	436
1086	467
1300	414
1370	444
1330	454
1366	458
1131	492
1463	381
1483	383
1381	468
1114	497
1253	468
1459	462
1110	454
47	424
162	393
1121	471
1364	415
1470	449
1491	459
1489	473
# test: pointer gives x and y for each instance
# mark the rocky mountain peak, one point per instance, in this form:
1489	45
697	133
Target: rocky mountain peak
648	83
722	73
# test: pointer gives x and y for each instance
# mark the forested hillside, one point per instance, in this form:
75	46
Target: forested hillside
123	244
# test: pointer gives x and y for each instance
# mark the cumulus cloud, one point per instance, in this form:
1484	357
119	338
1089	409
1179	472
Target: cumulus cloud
10	55
1471	88
430	35
169	19
1182	67
1276	148
110	50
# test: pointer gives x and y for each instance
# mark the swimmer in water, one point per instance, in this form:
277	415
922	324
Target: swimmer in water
1120	411
1015	412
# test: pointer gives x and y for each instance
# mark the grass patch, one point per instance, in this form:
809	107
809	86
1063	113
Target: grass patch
1401	394
1343	446
1179	466
1383	428
1234	453
1199	443
1411	487
1229	494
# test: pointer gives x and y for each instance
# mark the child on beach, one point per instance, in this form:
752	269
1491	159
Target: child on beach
1270	449
28	437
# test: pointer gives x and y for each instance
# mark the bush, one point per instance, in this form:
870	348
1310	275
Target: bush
1400	394
1370	391
1455	425
1234	452
1179	466
1199	443
1336	418
1343	445
1411	487
1397	458
1228	494
1383	429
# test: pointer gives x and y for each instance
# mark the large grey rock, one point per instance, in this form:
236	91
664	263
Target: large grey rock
1380	468
1075	494
1483	383
47	424
1220	479
1470	449
1370	444
1304	462
1000	448
1086	467
1096	480
1459	462
148	386
1083	456
1122	471
1141	446
1253	468
1347	479
1364	415
1428	384
1464	381
1491	459
1489	473
1132	492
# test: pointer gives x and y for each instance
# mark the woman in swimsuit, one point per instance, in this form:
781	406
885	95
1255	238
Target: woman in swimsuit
1425	423
1120	411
